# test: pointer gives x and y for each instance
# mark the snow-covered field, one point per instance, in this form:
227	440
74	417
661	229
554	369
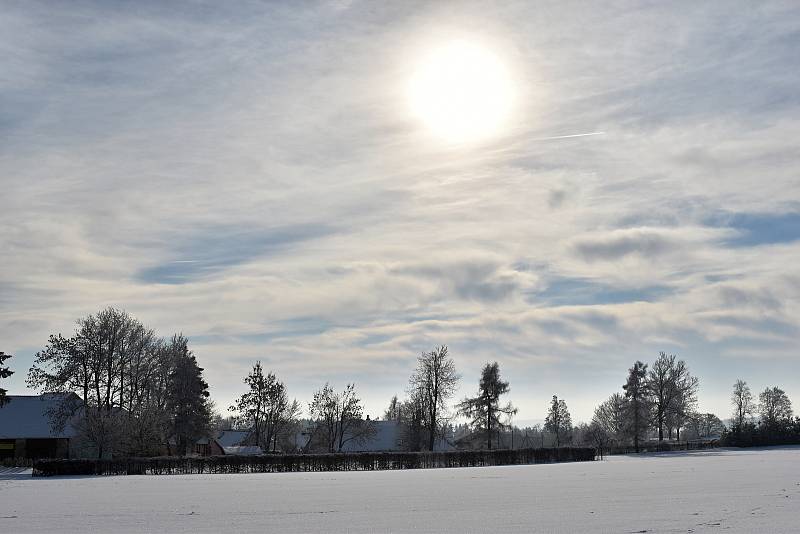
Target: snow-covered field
731	490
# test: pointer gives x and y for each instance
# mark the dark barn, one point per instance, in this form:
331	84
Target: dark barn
25	429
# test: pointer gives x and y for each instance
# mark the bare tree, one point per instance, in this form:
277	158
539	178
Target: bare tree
774	407
121	372
610	416
392	413
93	363
660	387
704	425
484	409
412	414
337	418
558	420
685	402
672	390
436	380
598	436
742	401
265	409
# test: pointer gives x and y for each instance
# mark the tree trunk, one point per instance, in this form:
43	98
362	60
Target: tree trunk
636	426
489	428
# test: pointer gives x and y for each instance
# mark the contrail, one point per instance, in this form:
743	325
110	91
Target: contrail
568	136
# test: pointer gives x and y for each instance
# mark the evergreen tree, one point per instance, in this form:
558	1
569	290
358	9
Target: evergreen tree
484	409
558	421
5	372
638	409
187	402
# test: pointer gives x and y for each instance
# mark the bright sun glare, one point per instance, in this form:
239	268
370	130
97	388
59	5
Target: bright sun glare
462	92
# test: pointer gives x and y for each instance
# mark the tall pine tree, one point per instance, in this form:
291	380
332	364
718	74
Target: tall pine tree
187	405
485	409
559	421
638	411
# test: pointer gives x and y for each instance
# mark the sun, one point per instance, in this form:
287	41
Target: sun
462	92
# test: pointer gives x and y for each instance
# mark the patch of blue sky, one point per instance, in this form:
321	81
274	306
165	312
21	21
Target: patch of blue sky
217	248
754	229
579	291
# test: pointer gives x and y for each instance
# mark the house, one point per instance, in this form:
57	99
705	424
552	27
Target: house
233	442
26	430
385	436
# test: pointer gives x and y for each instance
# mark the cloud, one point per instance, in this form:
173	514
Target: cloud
250	175
648	243
473	280
207	251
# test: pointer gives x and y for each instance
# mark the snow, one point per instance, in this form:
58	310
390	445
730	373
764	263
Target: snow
703	491
243	450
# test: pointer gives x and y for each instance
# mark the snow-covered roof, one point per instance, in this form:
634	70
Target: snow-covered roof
232	438
26	417
386	438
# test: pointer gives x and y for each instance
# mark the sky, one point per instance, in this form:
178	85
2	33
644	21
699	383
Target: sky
252	174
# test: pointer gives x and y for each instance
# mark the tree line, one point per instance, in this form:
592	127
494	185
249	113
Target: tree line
658	401
775	424
137	394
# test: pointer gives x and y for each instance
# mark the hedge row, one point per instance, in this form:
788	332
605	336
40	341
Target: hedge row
663	446
279	463
763	435
17	462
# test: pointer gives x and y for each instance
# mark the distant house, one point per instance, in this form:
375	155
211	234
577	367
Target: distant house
386	436
500	440
233	442
25	428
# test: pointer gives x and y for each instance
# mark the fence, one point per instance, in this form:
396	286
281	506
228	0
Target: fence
280	463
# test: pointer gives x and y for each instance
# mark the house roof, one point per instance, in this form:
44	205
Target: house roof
26	417
388	436
232	438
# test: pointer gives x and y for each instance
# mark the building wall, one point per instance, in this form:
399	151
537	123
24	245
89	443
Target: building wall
7	448
34	448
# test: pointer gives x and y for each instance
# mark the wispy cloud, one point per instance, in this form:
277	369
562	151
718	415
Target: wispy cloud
250	175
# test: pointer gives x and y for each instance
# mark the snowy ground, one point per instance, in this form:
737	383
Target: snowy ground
731	490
